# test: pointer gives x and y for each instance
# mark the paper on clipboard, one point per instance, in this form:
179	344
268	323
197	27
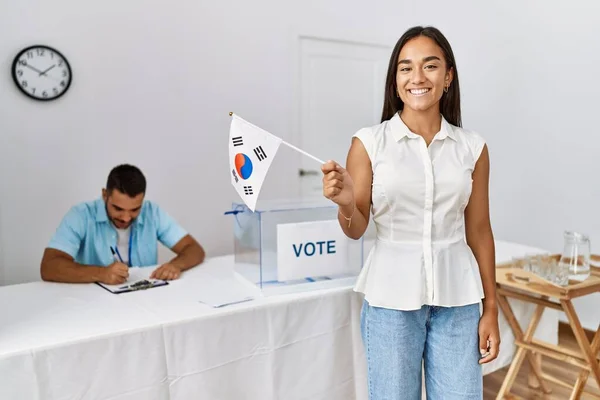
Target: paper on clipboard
139	279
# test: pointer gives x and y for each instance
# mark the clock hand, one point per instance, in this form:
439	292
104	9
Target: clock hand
33	68
44	73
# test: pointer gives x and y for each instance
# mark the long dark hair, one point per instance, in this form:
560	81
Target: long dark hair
449	103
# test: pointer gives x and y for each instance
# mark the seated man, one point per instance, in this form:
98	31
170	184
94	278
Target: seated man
98	240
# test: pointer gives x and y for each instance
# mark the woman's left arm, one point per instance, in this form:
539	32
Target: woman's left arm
481	241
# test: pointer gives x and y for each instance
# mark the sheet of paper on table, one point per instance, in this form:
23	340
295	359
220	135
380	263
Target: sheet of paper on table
218	292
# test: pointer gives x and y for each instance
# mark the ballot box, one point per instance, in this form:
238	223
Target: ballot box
293	242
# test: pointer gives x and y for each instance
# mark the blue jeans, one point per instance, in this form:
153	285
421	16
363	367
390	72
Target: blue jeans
445	339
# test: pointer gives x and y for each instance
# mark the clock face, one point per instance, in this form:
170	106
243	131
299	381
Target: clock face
42	73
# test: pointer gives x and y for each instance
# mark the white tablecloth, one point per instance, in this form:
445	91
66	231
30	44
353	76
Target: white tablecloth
61	341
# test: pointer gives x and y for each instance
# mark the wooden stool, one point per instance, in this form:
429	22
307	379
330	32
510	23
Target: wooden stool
522	285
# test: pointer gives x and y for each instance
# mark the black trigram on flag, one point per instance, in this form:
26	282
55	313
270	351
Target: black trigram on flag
237	141
260	153
248	190
234	175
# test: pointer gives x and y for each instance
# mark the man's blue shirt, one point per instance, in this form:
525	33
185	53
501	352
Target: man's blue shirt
87	234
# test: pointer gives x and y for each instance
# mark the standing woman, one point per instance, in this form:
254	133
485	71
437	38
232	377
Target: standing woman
425	180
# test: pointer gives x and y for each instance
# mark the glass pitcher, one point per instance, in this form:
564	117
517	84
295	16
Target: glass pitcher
576	256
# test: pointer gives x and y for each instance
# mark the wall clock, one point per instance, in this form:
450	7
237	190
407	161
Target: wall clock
42	73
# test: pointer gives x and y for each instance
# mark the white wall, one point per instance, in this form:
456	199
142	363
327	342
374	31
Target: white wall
154	82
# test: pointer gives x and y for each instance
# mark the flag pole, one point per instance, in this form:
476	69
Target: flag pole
295	148
303	152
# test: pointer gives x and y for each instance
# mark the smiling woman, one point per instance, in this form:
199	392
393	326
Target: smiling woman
424	179
423	61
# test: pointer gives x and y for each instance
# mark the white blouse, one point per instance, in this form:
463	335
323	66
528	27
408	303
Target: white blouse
419	195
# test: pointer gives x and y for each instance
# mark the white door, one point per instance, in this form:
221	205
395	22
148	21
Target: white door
341	90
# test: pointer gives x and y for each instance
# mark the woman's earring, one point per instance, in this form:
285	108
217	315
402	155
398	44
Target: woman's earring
446	89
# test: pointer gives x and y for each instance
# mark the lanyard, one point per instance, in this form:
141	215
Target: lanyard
129	247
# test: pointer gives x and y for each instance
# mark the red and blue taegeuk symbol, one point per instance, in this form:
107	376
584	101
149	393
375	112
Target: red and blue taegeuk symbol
243	165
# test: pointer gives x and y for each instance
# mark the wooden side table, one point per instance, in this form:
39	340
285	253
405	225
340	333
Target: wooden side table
518	284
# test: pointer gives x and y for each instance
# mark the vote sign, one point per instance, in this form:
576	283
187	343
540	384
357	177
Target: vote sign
311	249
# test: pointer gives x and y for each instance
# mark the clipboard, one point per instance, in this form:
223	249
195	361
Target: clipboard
138	280
143	284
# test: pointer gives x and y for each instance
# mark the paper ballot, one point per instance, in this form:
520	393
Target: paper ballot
220	291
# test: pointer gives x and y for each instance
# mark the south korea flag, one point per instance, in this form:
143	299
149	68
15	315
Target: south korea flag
251	151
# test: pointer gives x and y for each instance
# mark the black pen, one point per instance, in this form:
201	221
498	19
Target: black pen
116	255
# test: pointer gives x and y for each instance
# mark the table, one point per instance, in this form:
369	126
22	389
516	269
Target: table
74	341
515	283
61	341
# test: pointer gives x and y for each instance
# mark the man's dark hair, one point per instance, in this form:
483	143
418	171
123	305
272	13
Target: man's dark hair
127	179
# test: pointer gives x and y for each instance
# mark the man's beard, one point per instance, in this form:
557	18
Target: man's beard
121	224
116	221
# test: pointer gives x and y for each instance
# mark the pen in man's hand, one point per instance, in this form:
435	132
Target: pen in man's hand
116	255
